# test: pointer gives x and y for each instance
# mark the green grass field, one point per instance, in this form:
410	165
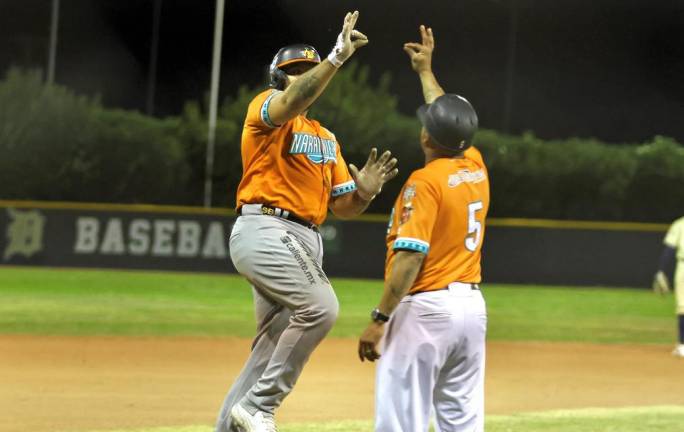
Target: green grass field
90	302
70	302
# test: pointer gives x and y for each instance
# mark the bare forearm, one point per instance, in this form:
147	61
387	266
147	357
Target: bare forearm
349	205
404	272
305	90
431	88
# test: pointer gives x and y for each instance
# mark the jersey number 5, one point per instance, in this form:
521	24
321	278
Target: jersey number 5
472	240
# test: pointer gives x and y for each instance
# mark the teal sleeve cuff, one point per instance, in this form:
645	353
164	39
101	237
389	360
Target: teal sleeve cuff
412	244
343	188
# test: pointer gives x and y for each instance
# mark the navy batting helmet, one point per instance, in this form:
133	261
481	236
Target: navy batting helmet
450	121
289	55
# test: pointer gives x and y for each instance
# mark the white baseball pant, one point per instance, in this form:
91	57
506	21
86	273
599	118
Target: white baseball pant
679	286
433	361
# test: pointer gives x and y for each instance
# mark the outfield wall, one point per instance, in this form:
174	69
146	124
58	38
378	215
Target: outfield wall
55	234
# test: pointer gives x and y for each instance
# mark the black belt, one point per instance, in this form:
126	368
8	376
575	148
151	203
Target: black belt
284	214
473	286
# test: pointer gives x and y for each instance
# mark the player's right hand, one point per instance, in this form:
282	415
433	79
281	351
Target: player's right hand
348	41
421	53
660	283
369	342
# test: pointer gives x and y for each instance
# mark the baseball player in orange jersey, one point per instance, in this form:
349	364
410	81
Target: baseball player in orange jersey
293	172
433	350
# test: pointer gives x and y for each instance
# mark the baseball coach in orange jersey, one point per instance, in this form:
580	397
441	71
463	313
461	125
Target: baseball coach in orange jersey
293	173
433	350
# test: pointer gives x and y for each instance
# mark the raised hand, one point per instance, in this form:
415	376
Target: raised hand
421	53
348	41
374	175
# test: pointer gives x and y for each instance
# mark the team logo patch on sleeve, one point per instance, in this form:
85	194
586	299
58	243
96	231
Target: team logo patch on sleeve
407	203
405	214
409	193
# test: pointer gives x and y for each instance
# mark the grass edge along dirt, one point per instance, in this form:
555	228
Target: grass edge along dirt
627	419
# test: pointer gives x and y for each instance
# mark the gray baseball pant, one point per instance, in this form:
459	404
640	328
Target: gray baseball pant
295	307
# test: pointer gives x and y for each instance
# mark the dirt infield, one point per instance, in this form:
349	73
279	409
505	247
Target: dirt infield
83	383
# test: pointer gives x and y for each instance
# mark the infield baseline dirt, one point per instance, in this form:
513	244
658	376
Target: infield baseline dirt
85	383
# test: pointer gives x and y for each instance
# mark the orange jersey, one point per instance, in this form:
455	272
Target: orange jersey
297	166
441	212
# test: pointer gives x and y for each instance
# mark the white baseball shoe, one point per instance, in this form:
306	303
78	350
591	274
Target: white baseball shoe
679	351
246	422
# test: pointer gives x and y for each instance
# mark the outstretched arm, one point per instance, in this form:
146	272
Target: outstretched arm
421	62
299	96
405	269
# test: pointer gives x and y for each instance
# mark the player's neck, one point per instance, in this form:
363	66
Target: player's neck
431	155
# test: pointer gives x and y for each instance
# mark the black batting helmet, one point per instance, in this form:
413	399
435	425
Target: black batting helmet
289	55
450	121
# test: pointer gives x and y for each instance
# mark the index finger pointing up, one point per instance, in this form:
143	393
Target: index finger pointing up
354	17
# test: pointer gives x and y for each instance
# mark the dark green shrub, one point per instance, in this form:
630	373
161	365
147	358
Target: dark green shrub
55	145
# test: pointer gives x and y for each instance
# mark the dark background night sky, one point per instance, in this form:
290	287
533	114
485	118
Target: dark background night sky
609	69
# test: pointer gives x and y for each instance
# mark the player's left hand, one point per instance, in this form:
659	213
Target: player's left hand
374	174
368	343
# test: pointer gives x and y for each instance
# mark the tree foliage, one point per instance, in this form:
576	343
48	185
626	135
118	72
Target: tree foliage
56	145
584	179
